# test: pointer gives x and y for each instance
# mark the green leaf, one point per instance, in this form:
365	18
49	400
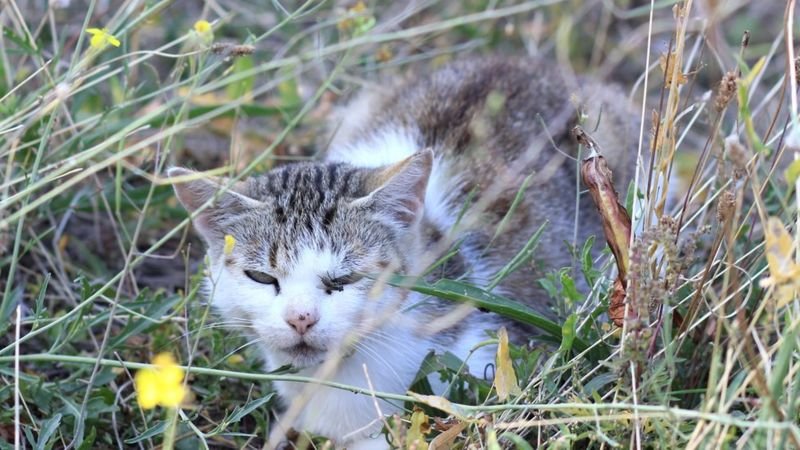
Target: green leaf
783	361
743	89
153	431
587	264
47	429
436	363
39	310
568	334
792	172
6	314
419	428
88	441
519	259
595	384
517	440
157	307
465	293
241	87
491	440
288	92
569	290
501	227
239	413
22	42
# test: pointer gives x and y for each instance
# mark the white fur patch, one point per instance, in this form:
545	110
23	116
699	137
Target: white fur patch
383	147
391	145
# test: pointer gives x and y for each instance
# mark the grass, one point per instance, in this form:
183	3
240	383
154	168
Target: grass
98	270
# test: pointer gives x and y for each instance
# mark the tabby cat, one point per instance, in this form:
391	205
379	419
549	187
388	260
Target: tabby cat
426	167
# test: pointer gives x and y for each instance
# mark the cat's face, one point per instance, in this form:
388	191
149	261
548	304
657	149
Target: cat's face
305	236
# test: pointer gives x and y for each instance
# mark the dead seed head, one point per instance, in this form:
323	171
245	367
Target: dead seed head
584	139
669	225
745	39
737	153
232	50
726	206
727	89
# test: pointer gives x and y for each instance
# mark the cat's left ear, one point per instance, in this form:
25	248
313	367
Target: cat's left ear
398	191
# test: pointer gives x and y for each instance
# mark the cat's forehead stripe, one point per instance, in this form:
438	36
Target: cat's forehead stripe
273	255
313	185
332	169
318	180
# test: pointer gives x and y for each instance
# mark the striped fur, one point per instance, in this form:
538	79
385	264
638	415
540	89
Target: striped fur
405	164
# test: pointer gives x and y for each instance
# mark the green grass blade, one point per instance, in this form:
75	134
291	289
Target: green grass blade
465	293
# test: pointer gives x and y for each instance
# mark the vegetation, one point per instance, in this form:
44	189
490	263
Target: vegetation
99	273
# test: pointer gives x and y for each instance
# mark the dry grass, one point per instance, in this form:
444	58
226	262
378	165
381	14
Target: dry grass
98	271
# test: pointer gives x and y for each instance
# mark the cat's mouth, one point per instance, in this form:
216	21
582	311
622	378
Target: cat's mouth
303	355
303	349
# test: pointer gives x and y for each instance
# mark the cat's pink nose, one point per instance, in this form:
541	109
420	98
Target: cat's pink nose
302	322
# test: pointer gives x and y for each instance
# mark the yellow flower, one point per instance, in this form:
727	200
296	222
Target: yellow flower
161	385
230	242
357	20
783	270
101	38
202	26
202	35
235	359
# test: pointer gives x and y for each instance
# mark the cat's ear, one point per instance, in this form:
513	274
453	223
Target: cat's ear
194	190
398	191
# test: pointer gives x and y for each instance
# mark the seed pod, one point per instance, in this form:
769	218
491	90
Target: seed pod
615	218
727	89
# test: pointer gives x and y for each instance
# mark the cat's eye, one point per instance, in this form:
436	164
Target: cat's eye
263	278
337	284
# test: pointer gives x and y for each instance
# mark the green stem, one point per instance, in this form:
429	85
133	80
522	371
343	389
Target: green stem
169	432
45	357
590	409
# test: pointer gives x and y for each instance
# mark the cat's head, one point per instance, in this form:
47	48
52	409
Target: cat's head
303	237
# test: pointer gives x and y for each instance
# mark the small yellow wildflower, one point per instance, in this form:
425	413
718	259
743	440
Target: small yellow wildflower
230	242
357	20
101	38
161	385
202	26
235	359
202	35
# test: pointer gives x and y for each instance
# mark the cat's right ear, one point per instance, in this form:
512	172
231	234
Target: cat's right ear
398	190
197	191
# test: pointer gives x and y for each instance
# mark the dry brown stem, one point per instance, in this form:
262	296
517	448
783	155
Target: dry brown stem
615	218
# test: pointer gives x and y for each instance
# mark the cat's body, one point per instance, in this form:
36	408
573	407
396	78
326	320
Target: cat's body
412	172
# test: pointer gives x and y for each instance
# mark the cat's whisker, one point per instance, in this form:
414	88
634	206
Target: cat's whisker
242	347
379	359
257	340
388	341
225	325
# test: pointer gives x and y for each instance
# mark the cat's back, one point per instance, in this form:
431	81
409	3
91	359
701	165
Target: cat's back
455	108
495	125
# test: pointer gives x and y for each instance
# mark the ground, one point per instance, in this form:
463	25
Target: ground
99	271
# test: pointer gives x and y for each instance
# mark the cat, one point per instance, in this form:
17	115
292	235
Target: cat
417	169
